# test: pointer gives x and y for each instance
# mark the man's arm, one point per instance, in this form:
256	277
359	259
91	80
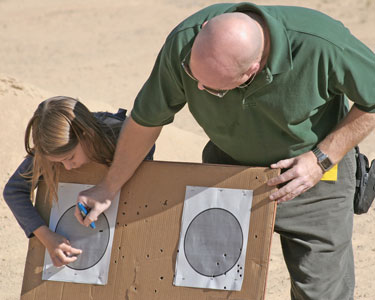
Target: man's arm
349	133
304	171
134	143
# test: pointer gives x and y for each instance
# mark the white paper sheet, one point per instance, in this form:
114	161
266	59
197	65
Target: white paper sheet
213	238
92	265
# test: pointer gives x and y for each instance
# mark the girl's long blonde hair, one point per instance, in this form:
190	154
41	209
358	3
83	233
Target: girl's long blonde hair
57	126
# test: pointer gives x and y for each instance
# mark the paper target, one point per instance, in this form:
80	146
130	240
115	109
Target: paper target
213	238
92	265
92	242
208	249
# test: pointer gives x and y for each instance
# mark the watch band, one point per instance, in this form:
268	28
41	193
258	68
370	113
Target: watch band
323	160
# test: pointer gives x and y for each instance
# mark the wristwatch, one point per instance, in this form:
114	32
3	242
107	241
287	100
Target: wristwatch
323	160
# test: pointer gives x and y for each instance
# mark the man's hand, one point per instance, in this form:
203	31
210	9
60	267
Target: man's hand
58	247
128	156
304	172
98	199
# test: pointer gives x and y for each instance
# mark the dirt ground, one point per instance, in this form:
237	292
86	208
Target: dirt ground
102	53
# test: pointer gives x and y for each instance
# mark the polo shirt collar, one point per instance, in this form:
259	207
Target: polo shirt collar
280	57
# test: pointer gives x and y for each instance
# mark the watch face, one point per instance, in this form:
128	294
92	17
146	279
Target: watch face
323	160
326	163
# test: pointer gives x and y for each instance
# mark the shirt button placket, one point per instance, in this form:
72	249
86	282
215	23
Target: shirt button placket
247	103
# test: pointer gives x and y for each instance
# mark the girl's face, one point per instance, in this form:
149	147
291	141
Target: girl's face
72	159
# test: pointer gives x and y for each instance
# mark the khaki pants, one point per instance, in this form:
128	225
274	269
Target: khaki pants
316	233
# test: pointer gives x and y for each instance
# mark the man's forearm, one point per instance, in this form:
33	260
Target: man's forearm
134	143
349	133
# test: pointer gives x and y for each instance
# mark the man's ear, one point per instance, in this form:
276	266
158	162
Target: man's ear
251	71
254	68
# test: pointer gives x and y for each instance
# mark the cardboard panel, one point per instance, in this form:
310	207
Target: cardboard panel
147	234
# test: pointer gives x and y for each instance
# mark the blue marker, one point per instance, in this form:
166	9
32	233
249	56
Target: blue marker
83	211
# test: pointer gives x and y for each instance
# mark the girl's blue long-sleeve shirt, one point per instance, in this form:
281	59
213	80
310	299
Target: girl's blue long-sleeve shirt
17	196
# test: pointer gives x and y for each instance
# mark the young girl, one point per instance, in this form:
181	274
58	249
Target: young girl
62	131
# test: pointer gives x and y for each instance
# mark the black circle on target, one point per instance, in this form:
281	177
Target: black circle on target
92	241
213	242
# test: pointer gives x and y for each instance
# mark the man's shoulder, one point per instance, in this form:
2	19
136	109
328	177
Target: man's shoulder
310	23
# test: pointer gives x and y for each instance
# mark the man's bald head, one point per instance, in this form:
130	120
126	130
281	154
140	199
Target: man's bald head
226	46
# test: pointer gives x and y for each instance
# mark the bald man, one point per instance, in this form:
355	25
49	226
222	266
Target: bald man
268	84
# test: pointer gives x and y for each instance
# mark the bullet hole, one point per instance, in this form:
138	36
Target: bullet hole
165	203
148	255
119	247
217	263
137	212
225	254
240	275
161	250
256	236
101	230
117	223
146	205
155	291
115	261
126	225
125	202
178	250
123	213
123	257
225	288
256	177
135	288
161	277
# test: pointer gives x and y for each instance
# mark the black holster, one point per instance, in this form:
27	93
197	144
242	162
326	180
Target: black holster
365	183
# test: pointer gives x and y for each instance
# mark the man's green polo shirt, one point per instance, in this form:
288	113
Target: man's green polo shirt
290	106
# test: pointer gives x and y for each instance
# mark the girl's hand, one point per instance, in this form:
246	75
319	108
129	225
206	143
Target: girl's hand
58	247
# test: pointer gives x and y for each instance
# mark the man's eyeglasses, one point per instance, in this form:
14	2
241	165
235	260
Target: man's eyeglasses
217	93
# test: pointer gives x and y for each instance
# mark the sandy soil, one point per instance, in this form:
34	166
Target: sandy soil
102	52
